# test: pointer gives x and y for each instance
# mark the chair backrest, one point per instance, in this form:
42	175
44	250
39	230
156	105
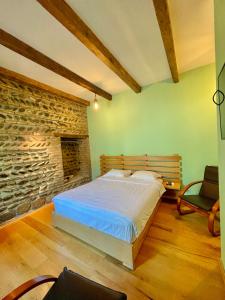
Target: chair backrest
72	286
210	185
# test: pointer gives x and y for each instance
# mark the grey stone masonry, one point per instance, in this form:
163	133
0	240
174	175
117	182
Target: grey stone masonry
31	169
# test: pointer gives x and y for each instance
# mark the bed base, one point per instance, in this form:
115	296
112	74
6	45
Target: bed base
121	250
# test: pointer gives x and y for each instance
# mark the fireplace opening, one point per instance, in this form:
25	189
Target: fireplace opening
70	157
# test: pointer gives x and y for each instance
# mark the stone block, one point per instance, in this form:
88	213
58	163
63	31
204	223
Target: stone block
5	196
7	215
23	207
37	202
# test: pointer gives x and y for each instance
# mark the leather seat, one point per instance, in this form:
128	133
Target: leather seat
199	201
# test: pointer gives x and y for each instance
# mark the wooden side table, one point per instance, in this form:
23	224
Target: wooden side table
172	190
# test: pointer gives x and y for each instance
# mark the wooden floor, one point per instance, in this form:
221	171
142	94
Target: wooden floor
179	259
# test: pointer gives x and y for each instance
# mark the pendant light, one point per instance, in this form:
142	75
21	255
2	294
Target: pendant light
95	104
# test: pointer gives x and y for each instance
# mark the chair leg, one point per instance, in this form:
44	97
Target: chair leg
211	220
183	212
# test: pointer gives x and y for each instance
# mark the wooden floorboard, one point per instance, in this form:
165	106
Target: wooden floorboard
178	260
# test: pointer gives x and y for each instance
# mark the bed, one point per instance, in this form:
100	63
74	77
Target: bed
114	214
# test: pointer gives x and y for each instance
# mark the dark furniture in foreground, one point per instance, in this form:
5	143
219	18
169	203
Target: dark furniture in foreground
68	286
206	202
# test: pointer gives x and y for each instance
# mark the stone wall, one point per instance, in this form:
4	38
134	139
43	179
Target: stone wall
31	170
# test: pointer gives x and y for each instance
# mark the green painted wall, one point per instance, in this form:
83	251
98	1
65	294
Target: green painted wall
166	118
220	60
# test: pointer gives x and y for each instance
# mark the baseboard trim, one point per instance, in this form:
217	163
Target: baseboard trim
222	269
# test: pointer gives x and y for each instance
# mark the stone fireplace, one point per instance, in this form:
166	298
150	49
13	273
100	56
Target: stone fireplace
44	147
70	157
74	159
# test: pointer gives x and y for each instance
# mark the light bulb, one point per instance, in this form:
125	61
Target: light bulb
95	104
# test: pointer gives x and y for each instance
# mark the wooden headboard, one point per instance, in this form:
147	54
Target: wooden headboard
168	166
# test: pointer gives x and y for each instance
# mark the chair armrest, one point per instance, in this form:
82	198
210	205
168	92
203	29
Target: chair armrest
187	187
216	206
29	285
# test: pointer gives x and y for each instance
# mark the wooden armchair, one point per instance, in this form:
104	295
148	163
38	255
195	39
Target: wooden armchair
68	286
206	202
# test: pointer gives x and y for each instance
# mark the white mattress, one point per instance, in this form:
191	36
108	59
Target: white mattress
116	206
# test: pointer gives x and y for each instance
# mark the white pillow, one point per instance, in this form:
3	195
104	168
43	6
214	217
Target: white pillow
146	175
118	173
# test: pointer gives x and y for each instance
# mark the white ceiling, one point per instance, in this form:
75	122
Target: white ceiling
128	28
193	24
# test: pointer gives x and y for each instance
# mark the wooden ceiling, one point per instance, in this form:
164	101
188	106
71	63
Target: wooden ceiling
70	23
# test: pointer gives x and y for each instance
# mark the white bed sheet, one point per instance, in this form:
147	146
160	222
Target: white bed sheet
116	206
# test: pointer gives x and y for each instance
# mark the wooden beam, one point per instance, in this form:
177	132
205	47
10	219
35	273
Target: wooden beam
163	17
27	51
69	19
31	82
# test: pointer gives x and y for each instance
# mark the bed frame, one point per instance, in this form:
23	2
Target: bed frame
168	166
